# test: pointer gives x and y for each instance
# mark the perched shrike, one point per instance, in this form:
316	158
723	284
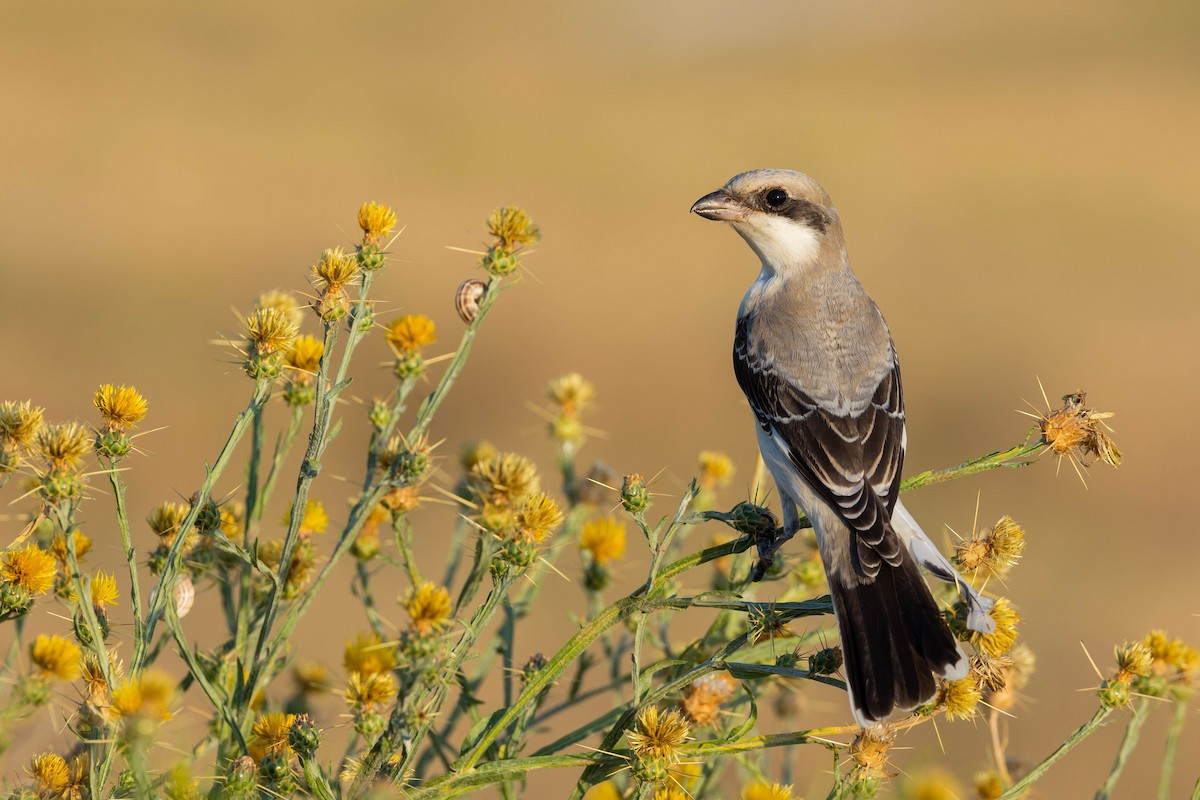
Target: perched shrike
817	363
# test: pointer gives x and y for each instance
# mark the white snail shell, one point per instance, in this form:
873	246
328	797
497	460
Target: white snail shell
466	299
185	595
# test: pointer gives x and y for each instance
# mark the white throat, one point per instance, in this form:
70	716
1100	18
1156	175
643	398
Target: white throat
783	244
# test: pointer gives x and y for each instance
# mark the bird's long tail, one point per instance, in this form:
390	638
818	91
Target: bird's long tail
893	640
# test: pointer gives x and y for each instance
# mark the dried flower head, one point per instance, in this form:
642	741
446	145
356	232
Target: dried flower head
50	775
368	654
761	790
997	550
959	698
56	656
702	698
270	731
513	227
428	607
658	734
537	515
62	445
93	674
366	692
30	568
1133	658
283	302
104	590
270	331
376	221
1001	640
19	423
603	539
410	333
304	356
335	269
572	393
1075	426
120	406
315	520
504	479
869	750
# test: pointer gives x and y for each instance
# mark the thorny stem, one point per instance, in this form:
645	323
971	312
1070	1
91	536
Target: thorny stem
1128	742
135	590
1084	730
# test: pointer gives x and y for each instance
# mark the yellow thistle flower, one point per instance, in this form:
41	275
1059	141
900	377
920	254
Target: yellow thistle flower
474	452
716	469
315	520
537	516
366	692
410	333
1133	658
572	393
55	655
428	607
1004	637
376	220
93	673
166	519
670	793
19	423
870	748
658	734
304	356
934	784
50	774
270	731
959	698
603	791
104	590
59	547
1172	655
504	478
513	227
270	330
32	569
120	406
761	790
301	569
283	302
233	521
311	677
702	698
368	654
335	269
149	696
62	444
988	785
604	539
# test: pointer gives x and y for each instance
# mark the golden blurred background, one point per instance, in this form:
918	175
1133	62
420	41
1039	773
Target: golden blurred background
1018	184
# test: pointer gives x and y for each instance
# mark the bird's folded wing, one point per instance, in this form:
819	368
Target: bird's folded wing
851	457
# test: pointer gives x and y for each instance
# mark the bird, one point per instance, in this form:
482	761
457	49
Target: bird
817	363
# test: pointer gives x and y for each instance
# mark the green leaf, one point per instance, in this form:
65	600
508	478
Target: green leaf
479	727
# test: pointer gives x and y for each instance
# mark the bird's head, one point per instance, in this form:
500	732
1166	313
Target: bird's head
785	216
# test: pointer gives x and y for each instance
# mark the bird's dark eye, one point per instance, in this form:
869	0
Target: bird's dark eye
776	197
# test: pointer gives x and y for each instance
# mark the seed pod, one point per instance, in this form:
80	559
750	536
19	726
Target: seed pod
466	299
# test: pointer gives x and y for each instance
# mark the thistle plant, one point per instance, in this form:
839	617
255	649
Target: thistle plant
412	721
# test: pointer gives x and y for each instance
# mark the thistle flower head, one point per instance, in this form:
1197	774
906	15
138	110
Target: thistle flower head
335	269
311	677
368	692
270	331
1172	657
166	519
93	674
512	227
368	654
656	738
301	569
1133	658
761	790
19	423
56	656
1076	426
104	590
270	731
314	520
50	774
304	357
870	747
702	698
996	551
376	221
120	406
716	469
149	696
1002	639
959	698
603	539
30	568
59	546
283	302
572	393
474	452
428	607
410	333
504	479
62	445
537	515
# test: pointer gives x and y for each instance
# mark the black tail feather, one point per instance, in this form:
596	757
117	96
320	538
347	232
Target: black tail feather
893	641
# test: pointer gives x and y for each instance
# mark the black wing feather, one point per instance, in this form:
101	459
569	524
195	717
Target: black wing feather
831	450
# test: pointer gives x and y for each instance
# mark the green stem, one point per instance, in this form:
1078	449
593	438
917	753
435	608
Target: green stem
1001	458
1128	742
1177	720
219	702
135	590
1084	730
315	778
283	446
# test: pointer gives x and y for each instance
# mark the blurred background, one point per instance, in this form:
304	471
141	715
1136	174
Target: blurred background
1018	185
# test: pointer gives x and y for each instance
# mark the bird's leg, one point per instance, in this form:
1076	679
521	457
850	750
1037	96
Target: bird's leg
768	542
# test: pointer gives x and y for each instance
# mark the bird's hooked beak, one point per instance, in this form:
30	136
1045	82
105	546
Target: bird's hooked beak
720	205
